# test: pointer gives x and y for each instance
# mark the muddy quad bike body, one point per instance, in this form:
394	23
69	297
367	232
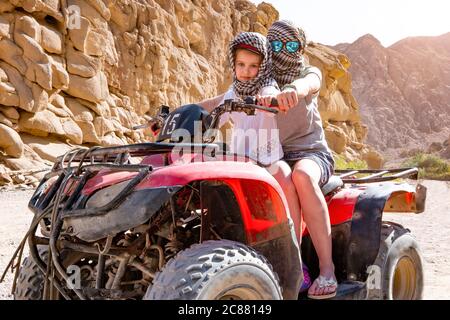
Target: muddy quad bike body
192	221
111	228
374	258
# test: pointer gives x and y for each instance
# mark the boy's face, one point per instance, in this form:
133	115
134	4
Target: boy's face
246	64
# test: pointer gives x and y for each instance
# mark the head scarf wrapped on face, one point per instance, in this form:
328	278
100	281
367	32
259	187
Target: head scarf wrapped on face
287	66
257	43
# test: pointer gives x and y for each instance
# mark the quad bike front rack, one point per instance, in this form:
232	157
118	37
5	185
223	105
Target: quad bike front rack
59	200
81	164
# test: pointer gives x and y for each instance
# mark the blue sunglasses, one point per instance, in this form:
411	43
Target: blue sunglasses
291	46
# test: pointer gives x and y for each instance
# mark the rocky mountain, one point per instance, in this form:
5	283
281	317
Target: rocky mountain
75	72
403	90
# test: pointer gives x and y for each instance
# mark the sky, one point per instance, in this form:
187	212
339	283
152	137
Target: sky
331	22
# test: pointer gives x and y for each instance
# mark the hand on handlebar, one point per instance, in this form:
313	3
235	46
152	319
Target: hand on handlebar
267	101
251	104
287	99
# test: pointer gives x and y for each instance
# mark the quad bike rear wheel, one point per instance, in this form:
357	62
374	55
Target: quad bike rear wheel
400	264
216	270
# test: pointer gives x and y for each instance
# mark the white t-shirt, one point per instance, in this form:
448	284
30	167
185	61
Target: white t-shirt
254	136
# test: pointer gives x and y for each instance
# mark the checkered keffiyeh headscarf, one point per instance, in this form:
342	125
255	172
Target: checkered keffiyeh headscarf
264	77
287	66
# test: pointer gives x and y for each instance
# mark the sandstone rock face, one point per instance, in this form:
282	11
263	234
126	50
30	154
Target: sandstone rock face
403	90
85	72
340	112
10	142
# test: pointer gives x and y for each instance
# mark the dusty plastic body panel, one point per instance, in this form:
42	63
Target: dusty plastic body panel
356	214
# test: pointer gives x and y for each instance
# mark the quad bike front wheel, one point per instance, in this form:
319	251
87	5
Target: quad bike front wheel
216	270
30	282
400	265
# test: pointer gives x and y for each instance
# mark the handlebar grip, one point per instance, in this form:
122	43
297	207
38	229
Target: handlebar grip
273	102
142	126
271	110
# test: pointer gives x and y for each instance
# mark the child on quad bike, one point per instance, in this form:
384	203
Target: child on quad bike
251	65
250	61
304	144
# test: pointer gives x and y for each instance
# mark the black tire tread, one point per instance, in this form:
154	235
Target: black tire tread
30	282
183	277
390	233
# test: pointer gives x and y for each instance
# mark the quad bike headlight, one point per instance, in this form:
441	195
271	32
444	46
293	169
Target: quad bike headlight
105	195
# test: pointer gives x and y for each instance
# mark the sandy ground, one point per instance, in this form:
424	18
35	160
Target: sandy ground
432	230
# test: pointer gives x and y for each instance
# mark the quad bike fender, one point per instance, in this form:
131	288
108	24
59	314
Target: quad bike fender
364	242
401	198
261	221
246	179
135	210
270	230
267	224
182	174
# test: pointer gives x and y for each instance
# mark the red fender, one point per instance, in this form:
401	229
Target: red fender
263	216
245	179
341	206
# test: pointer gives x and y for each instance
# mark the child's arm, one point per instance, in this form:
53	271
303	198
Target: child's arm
210	104
308	84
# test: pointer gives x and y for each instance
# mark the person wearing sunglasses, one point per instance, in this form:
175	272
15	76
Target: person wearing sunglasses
289	46
303	140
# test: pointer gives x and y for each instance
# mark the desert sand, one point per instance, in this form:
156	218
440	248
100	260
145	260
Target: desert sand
431	228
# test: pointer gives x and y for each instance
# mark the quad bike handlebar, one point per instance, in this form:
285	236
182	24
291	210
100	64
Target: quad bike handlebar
155	123
249	106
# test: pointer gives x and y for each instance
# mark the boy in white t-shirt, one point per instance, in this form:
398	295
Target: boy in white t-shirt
256	136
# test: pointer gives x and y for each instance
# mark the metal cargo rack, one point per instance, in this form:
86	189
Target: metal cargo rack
120	154
79	165
369	176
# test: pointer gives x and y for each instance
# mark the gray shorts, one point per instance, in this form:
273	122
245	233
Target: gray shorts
324	160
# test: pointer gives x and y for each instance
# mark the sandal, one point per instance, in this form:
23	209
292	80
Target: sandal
324	283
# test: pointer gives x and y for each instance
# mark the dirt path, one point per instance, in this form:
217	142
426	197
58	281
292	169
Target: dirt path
432	230
15	219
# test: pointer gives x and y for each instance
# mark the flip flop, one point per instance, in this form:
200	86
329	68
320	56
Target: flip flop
324	282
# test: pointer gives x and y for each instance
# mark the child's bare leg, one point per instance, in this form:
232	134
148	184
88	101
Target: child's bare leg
283	174
306	176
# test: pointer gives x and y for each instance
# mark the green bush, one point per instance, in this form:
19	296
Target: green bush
430	166
342	164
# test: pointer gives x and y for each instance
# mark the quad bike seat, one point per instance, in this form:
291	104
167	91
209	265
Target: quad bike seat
334	183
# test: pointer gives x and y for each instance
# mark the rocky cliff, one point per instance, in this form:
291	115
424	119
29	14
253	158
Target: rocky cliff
403	90
339	109
84	72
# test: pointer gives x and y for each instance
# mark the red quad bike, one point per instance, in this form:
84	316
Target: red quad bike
177	220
